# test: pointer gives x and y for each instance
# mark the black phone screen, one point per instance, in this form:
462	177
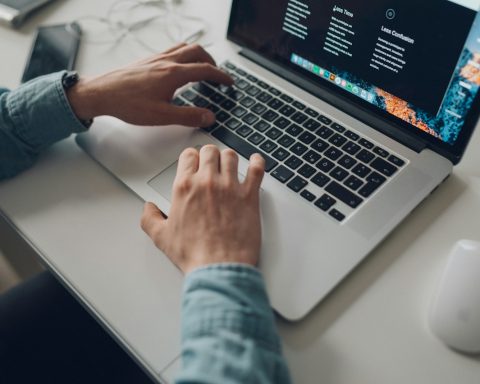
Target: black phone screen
55	49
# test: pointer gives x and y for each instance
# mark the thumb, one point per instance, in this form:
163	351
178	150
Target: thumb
153	221
189	116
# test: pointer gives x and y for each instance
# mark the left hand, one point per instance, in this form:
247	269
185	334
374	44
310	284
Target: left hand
141	93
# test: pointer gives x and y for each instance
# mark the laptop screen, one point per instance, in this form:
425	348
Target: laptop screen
417	61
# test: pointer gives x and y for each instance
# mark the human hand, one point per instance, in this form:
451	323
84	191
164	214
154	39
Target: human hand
214	218
141	92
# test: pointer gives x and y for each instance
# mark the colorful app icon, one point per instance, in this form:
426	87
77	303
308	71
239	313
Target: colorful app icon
344	83
349	86
322	72
326	74
332	77
356	90
306	64
338	81
294	58
371	96
316	69
363	94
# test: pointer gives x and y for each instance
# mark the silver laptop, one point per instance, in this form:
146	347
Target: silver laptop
359	112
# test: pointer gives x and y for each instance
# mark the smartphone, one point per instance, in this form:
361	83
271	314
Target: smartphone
54	49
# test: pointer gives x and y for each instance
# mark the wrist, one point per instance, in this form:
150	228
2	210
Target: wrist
84	100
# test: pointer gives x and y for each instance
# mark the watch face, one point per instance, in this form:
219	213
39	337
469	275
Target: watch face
70	79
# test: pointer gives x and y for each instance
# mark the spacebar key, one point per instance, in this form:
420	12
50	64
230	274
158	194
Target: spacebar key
344	194
242	147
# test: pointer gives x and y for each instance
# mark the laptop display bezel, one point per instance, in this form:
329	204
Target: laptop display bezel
357	107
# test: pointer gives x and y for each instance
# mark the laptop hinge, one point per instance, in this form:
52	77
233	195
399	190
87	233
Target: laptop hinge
365	116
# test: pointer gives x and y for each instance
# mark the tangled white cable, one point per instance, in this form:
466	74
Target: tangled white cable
129	17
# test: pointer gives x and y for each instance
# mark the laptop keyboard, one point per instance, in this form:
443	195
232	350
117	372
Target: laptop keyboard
333	168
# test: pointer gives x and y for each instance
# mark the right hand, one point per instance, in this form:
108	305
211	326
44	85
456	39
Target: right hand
214	218
141	93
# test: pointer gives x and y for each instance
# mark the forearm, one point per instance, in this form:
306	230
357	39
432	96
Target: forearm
229	333
33	117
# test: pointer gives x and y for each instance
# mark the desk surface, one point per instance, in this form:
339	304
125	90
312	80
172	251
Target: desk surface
372	329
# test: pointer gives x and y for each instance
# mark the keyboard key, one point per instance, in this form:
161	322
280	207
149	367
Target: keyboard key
275	104
280	154
286	141
312	157
299	105
256	138
395	160
233	124
241	72
320	145
294	130
263	85
333	153
338	127
247	102
264	97
307	171
241	146
228	105
310	112
365	156
217	98
286	98
244	130
351	135
268	146
306	137
261	126
223	116
203	89
287	110
343	194
252	78
380	152
339	174
200	102
229	65
361	170
297	184
258	108
282	122
242	84
250	119
325	120
307	195
178	102
325	202
365	143
374	181
239	111
273	91
325	165
189	95
282	174
347	162
234	94
337	140
299	118
337	215
274	133
213	108
320	179
293	162
353	182
311	125
324	132
253	90
351	148
299	149
383	167
212	127
270	115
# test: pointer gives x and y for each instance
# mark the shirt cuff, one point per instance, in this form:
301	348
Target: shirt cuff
41	111
231	298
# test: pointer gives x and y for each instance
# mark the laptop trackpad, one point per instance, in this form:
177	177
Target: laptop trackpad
163	182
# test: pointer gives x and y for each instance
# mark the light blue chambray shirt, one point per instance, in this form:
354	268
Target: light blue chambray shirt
228	328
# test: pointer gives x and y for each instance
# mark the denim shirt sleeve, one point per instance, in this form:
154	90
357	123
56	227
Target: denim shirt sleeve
32	117
228	329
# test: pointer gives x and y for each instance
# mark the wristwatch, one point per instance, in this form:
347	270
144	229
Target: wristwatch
69	79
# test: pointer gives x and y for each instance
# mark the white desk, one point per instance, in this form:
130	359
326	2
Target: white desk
84	224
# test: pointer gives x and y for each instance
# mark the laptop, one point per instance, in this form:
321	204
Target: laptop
360	112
